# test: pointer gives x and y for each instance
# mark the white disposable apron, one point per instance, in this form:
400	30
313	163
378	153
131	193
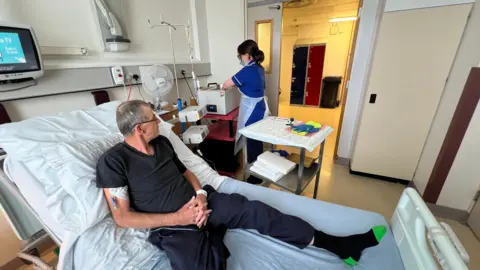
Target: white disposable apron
247	106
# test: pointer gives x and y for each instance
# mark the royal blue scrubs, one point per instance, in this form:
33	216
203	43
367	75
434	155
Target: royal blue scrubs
251	82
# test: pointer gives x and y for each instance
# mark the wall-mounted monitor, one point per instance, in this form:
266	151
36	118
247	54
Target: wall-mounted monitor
20	58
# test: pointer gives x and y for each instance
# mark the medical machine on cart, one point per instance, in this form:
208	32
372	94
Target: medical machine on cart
218	101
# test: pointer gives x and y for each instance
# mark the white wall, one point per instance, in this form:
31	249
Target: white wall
362	61
463	180
226	30
467	57
61	23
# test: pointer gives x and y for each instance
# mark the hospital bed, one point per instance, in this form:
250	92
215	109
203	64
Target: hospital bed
48	178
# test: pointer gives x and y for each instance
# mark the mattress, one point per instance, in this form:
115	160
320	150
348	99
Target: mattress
95	249
33	193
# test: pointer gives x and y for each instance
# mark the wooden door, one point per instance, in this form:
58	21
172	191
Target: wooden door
313	86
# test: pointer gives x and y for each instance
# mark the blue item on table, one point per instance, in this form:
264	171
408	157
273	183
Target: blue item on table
282	153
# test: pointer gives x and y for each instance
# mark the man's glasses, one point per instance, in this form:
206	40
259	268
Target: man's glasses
148	121
144	122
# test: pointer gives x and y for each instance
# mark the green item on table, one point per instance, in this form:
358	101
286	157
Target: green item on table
314	124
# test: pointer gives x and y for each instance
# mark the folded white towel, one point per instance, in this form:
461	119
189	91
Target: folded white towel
272	175
276	162
264	166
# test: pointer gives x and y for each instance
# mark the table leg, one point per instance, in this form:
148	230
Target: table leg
320	159
230	128
245	158
300	171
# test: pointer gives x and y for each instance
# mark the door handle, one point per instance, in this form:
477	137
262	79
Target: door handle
276	7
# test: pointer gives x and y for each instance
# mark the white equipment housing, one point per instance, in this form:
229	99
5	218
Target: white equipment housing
22	63
218	101
192	114
195	134
117	43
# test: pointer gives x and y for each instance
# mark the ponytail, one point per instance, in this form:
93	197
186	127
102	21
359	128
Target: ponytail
259	57
251	47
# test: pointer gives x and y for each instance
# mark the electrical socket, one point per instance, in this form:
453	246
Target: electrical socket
132	77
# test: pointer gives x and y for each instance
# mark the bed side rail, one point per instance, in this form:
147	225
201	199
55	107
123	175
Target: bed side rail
20	229
411	223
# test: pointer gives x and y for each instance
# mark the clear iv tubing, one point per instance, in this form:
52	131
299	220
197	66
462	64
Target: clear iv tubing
196	83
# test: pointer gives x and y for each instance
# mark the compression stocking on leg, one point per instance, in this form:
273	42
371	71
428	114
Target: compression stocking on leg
349	248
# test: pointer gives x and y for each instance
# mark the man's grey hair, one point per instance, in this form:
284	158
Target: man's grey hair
129	114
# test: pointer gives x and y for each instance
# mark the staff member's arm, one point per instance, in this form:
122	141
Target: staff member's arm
228	84
238	80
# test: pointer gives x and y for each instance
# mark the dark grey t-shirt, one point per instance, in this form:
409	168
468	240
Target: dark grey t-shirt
155	183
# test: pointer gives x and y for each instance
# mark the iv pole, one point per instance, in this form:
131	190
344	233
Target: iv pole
190	51
170	26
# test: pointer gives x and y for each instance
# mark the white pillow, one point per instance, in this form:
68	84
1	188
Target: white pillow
73	198
23	139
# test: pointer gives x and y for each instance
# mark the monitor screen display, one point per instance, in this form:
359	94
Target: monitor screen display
18	52
11	51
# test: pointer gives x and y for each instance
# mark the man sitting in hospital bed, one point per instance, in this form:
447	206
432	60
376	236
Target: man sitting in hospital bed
147	186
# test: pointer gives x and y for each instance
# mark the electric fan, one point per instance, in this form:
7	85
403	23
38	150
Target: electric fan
158	81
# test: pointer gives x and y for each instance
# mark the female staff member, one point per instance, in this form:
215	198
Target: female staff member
253	106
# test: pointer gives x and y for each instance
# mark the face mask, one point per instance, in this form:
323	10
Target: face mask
242	63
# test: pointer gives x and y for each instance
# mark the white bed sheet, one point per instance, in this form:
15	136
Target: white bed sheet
33	192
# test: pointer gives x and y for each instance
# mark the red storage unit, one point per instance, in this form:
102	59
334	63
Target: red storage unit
313	85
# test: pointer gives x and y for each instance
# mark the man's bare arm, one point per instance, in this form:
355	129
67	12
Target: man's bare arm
126	218
192	179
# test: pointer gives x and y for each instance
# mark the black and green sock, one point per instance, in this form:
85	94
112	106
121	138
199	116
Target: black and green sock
350	248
